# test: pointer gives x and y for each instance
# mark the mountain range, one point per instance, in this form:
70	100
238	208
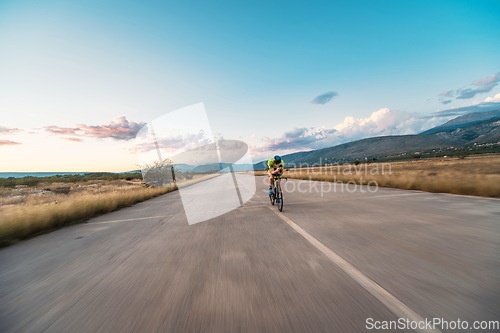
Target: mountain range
470	131
467	119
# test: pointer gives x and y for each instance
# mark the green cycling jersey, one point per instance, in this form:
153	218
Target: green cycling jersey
272	165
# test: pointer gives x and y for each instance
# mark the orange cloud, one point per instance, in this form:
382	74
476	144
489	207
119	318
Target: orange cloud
9	143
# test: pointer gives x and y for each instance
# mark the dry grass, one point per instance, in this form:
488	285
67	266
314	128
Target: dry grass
478	175
26	212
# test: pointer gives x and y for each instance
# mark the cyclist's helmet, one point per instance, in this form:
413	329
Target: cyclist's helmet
277	159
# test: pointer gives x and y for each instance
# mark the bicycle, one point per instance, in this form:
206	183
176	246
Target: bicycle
277	195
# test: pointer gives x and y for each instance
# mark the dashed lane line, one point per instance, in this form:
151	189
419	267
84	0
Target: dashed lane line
127	220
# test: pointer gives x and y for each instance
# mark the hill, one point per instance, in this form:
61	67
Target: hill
468	119
471	136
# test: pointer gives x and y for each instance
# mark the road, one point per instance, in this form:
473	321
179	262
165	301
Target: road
332	260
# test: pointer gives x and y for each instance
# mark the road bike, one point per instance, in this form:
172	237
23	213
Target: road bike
277	195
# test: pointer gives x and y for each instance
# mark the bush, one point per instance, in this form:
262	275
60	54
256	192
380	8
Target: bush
33	181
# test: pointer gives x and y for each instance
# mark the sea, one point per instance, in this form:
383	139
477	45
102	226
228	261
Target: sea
36	174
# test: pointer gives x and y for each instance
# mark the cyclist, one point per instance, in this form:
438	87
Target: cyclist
274	167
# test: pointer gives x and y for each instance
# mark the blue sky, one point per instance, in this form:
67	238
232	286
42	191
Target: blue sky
105	68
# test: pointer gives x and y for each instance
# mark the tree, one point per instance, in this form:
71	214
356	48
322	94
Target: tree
158	173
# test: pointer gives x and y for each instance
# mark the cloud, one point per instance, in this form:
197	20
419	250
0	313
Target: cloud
494	99
62	130
448	93
295	133
481	107
297	138
118	129
493	78
471	92
74	139
175	142
9	143
324	98
5	130
381	122
484	85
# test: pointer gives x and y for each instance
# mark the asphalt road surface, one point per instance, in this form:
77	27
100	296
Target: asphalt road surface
335	260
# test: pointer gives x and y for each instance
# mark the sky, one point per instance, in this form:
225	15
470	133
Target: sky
79	79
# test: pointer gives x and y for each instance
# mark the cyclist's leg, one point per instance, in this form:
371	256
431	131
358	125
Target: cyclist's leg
271	182
271	178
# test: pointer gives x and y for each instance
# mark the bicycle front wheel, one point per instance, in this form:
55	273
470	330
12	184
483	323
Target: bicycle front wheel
279	198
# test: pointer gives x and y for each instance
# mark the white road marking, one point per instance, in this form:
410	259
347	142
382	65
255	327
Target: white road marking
390	301
117	221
